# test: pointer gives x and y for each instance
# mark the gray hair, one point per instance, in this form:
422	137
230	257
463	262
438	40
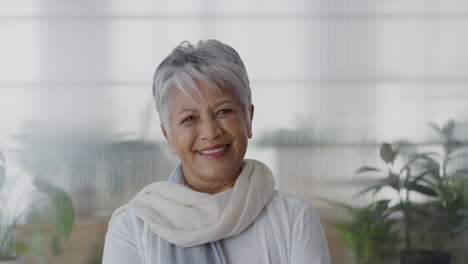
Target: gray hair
209	61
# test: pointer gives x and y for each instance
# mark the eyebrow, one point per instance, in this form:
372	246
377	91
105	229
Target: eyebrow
214	106
223	102
186	110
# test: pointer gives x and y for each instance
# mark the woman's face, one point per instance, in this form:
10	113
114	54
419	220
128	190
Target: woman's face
209	133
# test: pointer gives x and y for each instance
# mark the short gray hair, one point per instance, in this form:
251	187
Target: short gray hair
209	61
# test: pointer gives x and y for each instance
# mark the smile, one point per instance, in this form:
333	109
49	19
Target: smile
212	153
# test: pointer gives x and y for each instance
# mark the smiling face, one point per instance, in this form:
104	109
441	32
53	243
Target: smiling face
209	132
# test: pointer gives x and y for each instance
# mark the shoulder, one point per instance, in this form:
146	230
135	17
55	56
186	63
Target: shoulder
122	243
291	208
297	229
307	241
287	213
291	200
125	224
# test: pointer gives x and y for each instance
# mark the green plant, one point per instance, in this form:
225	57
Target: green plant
63	218
449	179
96	252
441	215
402	182
370	232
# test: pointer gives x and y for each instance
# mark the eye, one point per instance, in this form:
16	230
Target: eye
188	119
223	112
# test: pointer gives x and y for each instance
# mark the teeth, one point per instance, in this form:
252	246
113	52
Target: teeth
212	151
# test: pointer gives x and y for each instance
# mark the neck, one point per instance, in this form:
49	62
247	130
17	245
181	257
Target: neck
210	186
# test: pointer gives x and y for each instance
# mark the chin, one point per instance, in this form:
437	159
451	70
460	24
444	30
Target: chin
219	170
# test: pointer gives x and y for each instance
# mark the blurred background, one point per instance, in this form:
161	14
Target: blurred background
331	81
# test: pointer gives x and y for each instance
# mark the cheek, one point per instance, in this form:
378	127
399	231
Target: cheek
244	127
182	139
238	128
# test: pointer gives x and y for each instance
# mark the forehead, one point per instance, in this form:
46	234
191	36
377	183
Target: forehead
202	96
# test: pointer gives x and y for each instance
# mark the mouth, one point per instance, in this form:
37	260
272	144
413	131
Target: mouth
213	152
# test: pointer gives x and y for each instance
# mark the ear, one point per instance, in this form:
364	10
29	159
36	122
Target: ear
252	108
164	132
167	139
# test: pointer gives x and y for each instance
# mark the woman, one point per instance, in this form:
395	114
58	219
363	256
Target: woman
216	206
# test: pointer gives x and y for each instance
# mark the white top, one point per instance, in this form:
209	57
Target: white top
288	230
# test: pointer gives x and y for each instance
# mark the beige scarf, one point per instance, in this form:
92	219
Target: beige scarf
186	218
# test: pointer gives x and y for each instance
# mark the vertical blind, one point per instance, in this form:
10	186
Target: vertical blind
331	80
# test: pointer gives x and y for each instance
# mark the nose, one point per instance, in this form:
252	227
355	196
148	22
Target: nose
210	129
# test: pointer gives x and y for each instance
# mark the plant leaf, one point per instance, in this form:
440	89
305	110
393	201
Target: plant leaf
386	153
369	232
376	187
422	189
64	213
63	206
433	164
392	181
366	169
420	177
55	246
410	207
448	128
20	248
436	128
378	209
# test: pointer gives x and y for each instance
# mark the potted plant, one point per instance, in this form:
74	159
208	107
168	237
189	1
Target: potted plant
369	232
12	248
448	178
440	216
